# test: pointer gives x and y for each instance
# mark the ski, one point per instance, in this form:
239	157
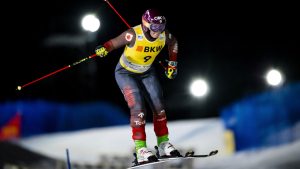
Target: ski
188	155
145	164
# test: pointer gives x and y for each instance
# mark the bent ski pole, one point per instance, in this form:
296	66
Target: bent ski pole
54	72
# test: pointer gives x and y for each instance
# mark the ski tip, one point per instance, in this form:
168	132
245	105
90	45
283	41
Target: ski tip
213	152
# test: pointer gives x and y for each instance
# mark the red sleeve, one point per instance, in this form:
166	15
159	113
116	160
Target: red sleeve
125	38
172	46
109	46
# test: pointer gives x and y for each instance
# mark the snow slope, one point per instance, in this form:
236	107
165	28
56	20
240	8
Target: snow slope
87	146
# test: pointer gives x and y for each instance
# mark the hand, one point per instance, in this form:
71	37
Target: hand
101	51
171	70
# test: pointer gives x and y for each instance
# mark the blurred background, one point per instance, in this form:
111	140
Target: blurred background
237	88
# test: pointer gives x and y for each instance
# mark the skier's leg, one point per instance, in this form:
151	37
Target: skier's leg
132	94
154	95
130	88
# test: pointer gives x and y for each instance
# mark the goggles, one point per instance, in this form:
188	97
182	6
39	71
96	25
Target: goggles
157	27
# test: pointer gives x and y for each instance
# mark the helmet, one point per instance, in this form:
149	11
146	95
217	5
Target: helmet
153	20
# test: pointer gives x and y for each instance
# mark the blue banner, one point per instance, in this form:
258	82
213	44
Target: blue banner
39	116
267	119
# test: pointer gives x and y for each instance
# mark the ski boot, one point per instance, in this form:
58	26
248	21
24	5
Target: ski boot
144	156
166	150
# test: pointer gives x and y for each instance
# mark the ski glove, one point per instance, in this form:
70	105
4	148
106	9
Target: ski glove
101	51
171	70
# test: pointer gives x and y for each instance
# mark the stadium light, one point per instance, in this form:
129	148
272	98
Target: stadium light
199	88
90	23
274	77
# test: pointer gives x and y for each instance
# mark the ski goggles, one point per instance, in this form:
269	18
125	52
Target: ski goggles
157	27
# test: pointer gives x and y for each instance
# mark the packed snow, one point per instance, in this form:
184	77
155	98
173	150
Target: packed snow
201	136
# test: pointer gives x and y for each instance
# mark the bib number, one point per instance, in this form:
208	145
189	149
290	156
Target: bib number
147	58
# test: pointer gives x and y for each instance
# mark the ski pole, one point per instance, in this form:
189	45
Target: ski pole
68	159
75	63
112	7
55	72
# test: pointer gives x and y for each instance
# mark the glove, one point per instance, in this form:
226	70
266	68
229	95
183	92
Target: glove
101	51
171	70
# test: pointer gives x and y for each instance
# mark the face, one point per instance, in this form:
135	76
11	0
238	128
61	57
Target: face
156	29
154	34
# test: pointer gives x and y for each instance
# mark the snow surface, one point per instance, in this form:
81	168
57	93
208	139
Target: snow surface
85	146
281	157
202	136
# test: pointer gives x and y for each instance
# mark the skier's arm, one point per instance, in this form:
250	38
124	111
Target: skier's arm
125	38
172	44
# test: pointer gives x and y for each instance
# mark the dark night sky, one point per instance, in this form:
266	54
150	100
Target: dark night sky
229	44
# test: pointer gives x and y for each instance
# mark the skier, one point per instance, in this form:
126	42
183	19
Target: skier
136	78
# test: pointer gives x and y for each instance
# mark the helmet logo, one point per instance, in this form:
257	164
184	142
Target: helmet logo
158	18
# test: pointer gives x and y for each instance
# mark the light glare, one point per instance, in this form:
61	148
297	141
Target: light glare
90	23
274	77
199	88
